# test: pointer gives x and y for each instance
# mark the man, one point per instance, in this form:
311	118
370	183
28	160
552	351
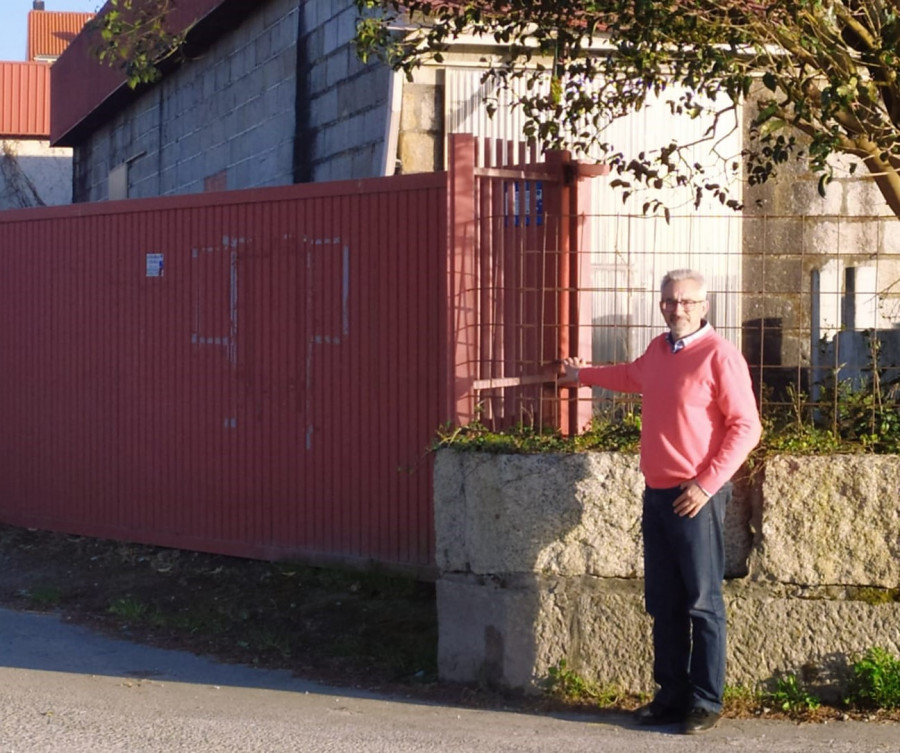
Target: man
699	423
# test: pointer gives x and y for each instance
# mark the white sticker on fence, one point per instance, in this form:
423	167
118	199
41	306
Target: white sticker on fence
155	264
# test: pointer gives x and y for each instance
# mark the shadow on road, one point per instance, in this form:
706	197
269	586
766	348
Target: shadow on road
44	642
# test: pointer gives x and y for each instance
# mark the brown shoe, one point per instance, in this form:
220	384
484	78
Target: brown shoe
700	720
654	714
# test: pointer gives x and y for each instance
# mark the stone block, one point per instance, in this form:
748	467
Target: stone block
487	633
529	513
784	274
314	14
374	123
832	235
324	109
240	63
421	108
263	48
830	520
509	633
215	159
365	161
419	152
314	45
336	138
889	242
811	633
559	514
539	560
332	35
772	236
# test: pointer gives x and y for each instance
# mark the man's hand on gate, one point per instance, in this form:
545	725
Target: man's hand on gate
570	368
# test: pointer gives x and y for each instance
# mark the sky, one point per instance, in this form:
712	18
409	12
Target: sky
14	28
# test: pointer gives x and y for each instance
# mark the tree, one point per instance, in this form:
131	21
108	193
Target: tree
135	38
823	73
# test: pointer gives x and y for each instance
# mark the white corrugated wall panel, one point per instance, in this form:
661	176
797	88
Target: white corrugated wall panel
629	252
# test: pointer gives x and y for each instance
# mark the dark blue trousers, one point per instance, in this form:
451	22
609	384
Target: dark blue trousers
684	565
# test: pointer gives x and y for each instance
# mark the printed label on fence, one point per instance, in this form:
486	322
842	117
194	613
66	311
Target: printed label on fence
154	265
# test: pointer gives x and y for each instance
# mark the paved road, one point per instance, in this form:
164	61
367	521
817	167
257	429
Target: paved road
65	689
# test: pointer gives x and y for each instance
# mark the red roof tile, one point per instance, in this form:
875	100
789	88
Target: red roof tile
24	100
49	32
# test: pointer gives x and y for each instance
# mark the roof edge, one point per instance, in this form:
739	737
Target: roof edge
86	92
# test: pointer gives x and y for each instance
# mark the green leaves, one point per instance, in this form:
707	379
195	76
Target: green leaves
828	72
134	37
876	680
790	695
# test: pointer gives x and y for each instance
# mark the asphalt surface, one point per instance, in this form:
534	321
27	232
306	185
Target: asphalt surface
66	689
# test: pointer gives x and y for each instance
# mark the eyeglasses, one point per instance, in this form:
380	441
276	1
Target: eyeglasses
672	303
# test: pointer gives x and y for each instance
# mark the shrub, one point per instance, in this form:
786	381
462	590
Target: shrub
876	680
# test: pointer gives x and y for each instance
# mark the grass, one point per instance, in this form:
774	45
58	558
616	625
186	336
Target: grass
43	595
335	625
790	695
374	630
875	694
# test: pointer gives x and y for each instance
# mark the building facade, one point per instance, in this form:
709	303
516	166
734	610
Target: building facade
32	172
275	94
268	96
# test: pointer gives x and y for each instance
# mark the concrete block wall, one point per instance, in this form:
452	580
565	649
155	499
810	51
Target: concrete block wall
231	118
540	560
230	111
790	231
347	101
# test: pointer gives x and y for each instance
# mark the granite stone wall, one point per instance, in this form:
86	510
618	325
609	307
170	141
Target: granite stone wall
540	559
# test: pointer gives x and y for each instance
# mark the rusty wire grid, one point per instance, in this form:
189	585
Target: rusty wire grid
813	303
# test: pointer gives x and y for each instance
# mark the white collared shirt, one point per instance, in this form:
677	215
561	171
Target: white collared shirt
683	342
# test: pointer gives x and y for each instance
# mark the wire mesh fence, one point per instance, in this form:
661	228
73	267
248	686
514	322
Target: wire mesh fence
813	303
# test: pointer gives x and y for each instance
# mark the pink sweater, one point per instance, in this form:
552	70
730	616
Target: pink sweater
698	418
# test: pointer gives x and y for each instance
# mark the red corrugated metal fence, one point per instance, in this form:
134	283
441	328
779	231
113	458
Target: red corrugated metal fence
239	373
257	373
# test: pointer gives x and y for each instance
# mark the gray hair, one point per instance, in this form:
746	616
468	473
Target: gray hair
683	274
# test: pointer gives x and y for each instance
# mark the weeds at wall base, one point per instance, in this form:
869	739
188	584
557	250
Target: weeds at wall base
875	693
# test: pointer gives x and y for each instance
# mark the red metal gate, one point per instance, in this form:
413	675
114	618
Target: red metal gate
516	309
